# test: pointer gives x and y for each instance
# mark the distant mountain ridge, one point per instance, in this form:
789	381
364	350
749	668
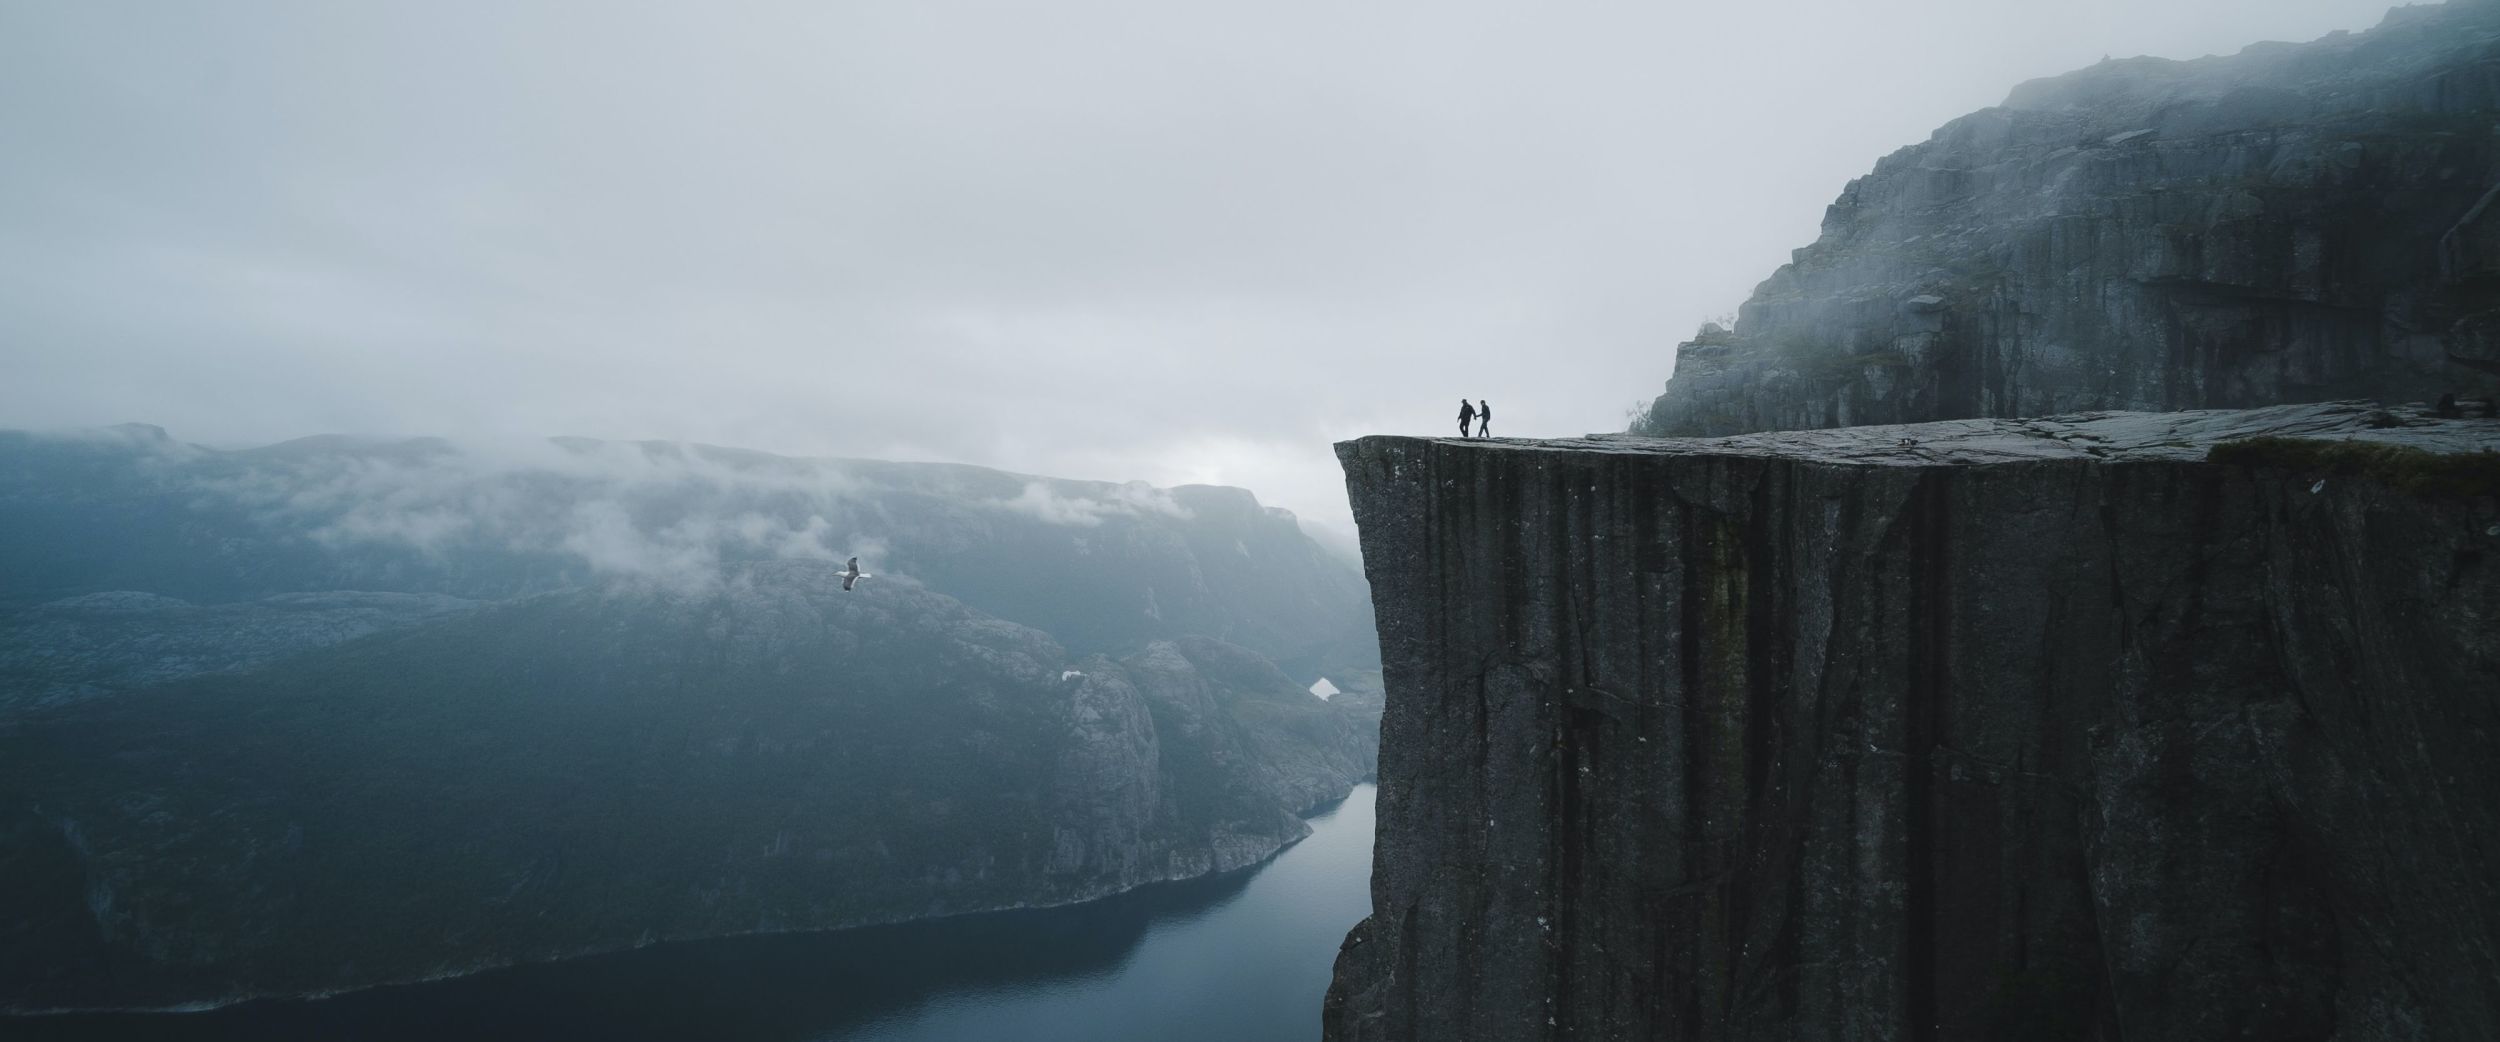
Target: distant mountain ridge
335	712
1099	565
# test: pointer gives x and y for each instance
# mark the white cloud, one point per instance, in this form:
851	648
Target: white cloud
666	514
1132	499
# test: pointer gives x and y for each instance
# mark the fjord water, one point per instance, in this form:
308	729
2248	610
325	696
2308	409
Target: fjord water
1243	957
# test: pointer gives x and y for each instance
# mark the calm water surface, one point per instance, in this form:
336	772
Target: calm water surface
1239	958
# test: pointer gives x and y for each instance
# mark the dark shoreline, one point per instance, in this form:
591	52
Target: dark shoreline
1153	897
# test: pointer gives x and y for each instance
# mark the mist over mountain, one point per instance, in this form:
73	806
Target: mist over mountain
336	712
2289	223
1098	565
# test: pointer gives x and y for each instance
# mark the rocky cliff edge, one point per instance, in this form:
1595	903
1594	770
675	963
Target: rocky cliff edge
2112	725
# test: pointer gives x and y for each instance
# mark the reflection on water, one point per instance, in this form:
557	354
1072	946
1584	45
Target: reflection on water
1239	957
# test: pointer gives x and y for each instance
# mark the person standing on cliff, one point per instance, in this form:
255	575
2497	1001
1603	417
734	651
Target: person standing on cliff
1484	418
1466	415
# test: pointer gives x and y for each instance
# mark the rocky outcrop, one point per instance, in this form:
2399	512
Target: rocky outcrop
2292	223
1193	757
1988	729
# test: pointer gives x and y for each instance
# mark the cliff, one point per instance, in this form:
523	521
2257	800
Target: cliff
2044	729
2293	223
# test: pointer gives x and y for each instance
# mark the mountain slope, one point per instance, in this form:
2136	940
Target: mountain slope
2292	223
595	769
335	713
1100	566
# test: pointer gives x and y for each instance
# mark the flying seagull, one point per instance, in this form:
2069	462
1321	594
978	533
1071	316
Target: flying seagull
853	574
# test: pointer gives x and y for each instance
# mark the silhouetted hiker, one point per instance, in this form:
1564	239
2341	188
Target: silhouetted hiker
1466	415
2447	407
1484	418
2491	407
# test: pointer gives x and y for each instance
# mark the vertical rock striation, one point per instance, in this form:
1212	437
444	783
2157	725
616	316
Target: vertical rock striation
2291	223
2046	729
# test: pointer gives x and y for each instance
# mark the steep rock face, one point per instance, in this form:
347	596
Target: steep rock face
2040	729
2291	223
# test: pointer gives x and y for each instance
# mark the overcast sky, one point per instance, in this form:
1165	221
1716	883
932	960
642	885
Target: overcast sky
1119	240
